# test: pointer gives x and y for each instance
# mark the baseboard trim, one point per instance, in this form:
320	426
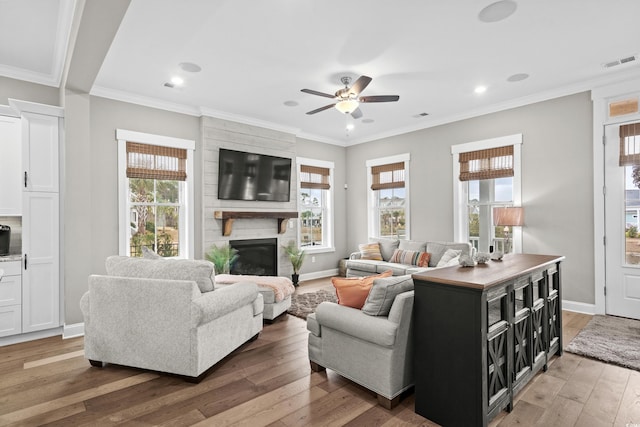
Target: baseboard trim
73	330
319	274
30	336
579	307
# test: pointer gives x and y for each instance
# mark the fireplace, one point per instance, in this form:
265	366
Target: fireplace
257	257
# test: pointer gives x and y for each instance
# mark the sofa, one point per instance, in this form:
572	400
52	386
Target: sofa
164	315
372	346
441	254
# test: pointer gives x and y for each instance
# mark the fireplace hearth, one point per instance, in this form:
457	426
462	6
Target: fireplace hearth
257	257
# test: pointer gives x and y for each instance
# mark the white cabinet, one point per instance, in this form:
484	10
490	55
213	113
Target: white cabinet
10	299
41	264
10	166
30	289
40	152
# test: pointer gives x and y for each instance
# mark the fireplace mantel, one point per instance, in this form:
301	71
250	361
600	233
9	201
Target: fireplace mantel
228	217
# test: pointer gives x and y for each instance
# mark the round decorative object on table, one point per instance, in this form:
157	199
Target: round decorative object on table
482	257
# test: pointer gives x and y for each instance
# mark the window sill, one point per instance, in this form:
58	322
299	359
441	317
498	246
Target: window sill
317	249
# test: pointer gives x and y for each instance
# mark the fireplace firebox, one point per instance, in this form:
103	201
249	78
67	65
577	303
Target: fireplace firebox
257	257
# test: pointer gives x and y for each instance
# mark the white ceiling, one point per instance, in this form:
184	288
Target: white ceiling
256	55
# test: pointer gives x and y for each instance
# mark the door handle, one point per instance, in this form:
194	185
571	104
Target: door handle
25	179
25	261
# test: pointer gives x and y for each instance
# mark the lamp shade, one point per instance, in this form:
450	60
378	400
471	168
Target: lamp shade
508	217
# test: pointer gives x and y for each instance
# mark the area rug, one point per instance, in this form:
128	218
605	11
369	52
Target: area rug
304	304
610	339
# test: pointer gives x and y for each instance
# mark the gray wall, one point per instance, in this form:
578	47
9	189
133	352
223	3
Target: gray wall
557	181
26	91
91	202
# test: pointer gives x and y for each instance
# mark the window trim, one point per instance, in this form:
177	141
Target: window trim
460	190
371	202
329	222
187	223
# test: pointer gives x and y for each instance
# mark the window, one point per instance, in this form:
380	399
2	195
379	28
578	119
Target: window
486	176
155	193
315	204
388	201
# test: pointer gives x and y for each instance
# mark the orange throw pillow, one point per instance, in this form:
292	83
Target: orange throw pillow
353	291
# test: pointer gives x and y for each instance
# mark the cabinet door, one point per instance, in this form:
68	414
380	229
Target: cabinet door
40	275
10	166
9	320
10	290
40	152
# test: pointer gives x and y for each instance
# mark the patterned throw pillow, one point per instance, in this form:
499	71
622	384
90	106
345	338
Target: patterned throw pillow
421	259
353	291
370	251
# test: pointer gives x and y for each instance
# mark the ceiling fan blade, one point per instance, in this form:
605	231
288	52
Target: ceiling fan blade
379	98
315	92
317	110
360	85
357	113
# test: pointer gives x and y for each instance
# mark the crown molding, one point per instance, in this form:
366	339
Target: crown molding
146	101
247	120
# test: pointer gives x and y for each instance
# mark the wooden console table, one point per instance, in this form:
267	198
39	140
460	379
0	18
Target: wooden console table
481	333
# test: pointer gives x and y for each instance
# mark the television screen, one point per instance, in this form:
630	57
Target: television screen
250	176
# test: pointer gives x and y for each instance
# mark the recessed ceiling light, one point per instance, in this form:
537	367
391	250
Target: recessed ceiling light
367	120
350	126
290	103
190	67
423	114
178	81
518	77
480	89
498	11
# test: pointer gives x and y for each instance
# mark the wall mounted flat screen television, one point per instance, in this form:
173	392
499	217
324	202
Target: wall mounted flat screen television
250	176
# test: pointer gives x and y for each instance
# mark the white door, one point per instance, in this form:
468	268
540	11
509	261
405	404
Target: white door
622	230
40	274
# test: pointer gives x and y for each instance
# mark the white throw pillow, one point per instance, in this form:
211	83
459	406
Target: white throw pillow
449	258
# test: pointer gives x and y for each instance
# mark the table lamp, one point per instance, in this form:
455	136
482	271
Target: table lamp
508	217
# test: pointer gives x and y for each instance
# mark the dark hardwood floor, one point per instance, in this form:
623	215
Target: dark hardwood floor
269	382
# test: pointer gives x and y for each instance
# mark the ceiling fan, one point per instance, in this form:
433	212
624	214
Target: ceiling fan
347	100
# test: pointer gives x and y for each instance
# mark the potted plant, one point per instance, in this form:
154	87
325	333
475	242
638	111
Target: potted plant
296	256
222	257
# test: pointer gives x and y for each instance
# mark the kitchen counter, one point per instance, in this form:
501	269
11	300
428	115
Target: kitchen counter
9	258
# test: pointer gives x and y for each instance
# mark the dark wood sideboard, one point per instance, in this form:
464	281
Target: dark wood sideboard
481	333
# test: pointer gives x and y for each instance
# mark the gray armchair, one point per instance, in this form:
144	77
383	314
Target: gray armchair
373	351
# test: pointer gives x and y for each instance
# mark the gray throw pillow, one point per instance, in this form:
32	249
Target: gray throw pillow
387	246
413	245
200	271
383	292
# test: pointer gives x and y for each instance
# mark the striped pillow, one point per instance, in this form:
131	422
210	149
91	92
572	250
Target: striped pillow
370	251
421	259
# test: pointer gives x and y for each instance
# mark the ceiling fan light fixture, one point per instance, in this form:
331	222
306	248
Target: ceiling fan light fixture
347	106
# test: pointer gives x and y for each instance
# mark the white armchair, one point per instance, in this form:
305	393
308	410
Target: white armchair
168	324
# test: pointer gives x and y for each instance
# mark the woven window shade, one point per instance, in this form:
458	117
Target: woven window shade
387	176
314	177
630	145
486	164
155	162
